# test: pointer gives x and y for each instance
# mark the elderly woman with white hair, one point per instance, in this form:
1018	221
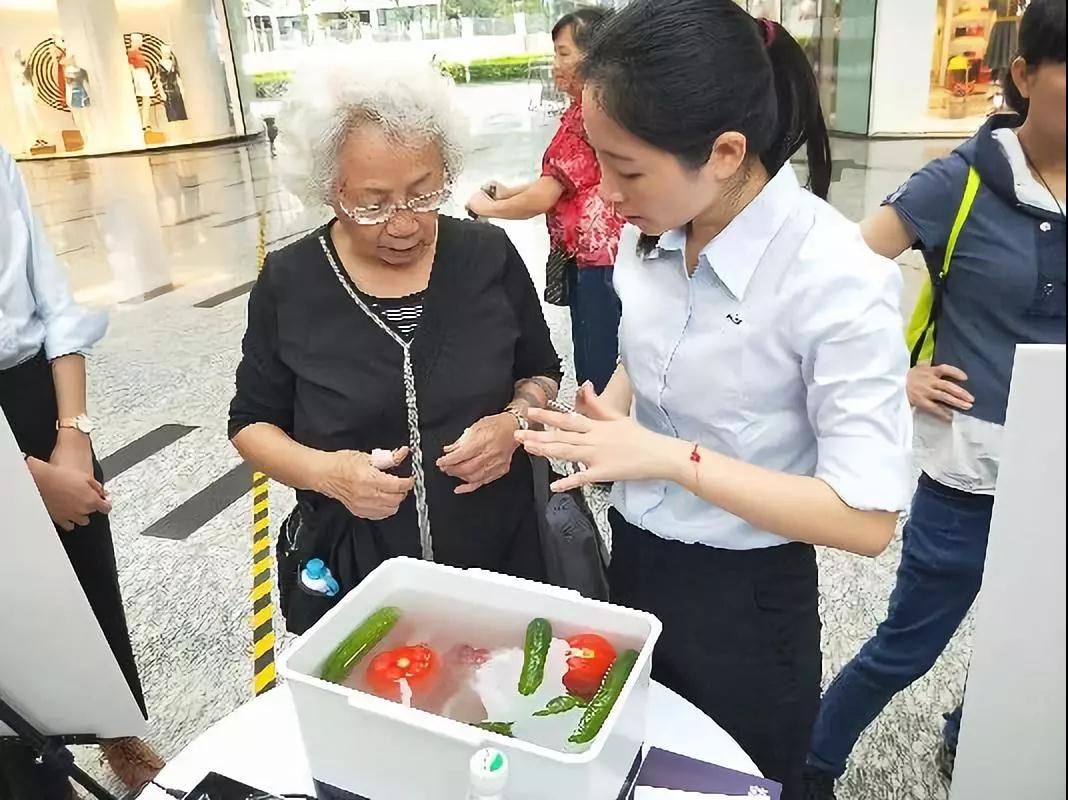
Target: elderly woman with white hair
392	354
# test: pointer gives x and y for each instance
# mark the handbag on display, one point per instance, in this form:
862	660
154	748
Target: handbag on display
556	269
575	553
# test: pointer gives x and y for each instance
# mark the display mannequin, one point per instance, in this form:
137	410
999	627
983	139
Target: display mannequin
170	78
142	79
59	53
77	95
1002	47
26	103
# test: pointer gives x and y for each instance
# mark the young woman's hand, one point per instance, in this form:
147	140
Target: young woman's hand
366	491
590	404
614	449
482	454
73	450
69	494
935	390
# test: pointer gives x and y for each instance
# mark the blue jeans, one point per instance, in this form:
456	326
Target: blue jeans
942	557
595	312
951	730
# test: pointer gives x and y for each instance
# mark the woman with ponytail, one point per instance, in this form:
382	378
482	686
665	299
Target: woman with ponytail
996	204
761	353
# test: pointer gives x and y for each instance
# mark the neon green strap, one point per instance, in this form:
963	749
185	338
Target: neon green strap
919	334
971	189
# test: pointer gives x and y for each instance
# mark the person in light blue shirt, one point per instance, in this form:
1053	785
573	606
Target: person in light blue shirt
44	339
763	357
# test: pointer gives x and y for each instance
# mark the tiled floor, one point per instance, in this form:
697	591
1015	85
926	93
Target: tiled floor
168	243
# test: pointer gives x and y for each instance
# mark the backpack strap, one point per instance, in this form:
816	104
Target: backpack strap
920	333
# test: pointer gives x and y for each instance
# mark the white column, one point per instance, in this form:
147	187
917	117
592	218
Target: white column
250	33
904	31
313	28
93	34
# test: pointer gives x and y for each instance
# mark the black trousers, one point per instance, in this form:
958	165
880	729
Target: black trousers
741	637
28	399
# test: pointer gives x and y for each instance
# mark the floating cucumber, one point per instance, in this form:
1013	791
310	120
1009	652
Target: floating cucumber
601	704
561	705
358	643
502	728
535	651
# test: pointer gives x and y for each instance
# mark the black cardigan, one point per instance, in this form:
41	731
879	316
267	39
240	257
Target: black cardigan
314	365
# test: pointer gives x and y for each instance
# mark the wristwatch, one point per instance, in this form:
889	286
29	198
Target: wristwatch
520	418
81	423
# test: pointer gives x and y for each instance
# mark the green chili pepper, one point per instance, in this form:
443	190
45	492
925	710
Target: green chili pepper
502	728
561	705
597	711
535	651
358	643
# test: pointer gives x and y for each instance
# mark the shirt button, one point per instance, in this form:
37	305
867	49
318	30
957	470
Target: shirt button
1045	227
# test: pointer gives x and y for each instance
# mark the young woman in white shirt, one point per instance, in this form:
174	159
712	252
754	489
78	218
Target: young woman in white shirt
762	353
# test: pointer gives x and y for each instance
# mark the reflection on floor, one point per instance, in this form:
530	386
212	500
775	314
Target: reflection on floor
168	243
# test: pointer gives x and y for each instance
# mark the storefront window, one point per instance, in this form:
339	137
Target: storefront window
475	41
103	76
948	82
974	43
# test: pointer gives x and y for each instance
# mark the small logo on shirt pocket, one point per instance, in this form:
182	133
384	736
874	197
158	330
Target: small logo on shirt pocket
735	319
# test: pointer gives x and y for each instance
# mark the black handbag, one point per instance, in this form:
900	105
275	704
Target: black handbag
575	553
556	269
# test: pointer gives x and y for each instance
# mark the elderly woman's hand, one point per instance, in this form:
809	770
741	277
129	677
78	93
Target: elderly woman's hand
482	454
366	491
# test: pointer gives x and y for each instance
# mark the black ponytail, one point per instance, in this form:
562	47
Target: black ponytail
800	114
1041	42
679	73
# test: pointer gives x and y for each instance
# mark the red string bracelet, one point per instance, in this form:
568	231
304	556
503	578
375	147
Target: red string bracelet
695	457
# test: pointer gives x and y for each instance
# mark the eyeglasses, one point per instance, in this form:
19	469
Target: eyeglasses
379	214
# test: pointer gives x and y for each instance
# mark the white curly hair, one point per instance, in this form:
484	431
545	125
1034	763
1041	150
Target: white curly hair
338	89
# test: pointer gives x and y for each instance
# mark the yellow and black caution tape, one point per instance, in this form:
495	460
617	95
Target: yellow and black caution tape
264	676
261	241
263	670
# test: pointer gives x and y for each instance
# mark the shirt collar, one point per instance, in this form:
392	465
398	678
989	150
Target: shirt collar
1028	189
735	253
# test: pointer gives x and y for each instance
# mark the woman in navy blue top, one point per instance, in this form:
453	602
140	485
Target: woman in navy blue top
1005	286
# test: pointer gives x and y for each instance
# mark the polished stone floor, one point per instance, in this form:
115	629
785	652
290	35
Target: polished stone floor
168	243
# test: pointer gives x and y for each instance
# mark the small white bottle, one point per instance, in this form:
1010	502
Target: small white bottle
488	775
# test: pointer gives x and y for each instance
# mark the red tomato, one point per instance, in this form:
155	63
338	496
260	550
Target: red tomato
588	659
416	664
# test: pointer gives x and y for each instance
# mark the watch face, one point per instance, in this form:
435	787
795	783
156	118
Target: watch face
84	424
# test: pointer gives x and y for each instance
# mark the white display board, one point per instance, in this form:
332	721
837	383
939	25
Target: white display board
56	668
1012	736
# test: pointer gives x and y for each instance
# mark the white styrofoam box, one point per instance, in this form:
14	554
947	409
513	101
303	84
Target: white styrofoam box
386	751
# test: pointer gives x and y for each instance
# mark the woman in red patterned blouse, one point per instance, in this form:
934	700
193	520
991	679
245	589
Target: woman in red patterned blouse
583	229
